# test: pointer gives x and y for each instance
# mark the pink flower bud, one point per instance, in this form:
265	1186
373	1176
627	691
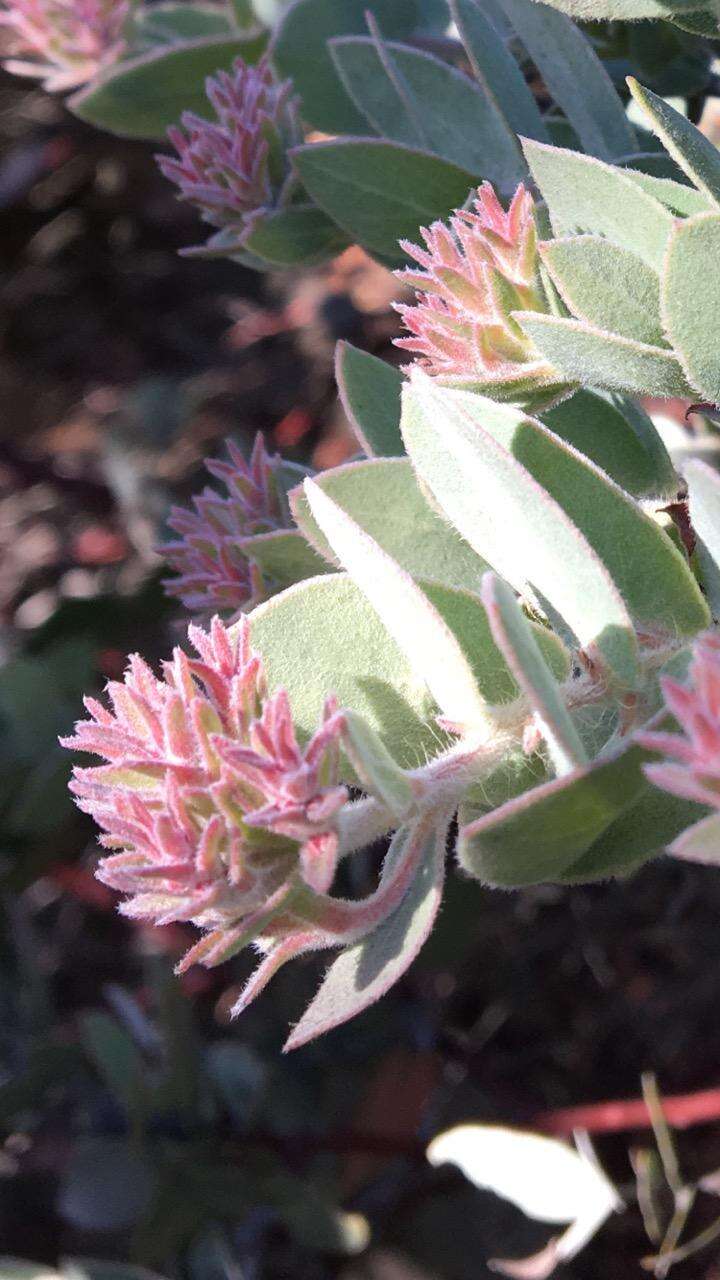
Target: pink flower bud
215	573
693	770
475	273
210	809
65	42
235	167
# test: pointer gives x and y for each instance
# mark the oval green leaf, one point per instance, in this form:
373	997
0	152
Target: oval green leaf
143	96
381	192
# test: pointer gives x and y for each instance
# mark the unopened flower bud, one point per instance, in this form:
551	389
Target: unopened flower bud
235	168
64	43
211	810
211	555
693	767
476	271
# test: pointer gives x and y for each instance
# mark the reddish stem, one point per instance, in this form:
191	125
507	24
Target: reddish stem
681	1112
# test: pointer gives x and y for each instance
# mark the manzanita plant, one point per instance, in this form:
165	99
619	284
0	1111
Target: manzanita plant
494	623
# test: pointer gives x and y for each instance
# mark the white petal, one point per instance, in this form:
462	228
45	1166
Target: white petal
547	1179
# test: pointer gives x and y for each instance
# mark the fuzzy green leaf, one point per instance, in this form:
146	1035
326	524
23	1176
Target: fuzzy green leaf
142	96
681	200
364	972
606	286
651	574
496	70
464	614
645	829
166	23
298	235
322	636
627	10
514	637
413	622
412	97
384	498
510	519
690	292
369	390
381	192
585	196
300	52
703	23
583	353
542	834
614	432
575	77
283	555
596	523
696	155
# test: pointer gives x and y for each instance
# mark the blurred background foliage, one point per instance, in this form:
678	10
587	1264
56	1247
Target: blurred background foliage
139	1129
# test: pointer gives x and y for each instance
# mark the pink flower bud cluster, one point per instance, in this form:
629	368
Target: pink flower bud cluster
475	272
236	166
212	556
64	42
211	810
693	770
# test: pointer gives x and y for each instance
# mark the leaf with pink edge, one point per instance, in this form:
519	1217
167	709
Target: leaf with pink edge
508	516
689	300
369	391
696	155
624	10
513	634
412	97
606	286
407	613
583	353
365	972
645	829
584	195
541	835
682	201
383	496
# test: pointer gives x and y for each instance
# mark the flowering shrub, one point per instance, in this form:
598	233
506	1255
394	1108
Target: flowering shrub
488	614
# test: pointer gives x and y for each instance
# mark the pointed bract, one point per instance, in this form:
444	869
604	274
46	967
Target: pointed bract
692	770
475	272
